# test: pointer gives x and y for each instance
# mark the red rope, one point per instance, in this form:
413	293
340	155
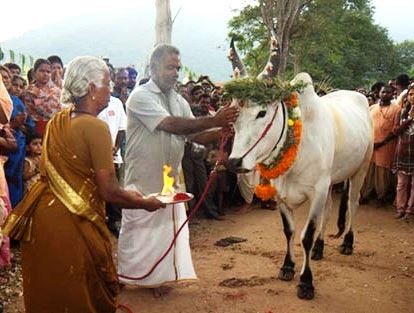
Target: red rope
125	308
212	177
264	133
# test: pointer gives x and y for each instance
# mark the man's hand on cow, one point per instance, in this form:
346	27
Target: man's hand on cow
226	116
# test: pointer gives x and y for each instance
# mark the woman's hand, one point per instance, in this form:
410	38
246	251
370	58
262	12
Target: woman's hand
151	204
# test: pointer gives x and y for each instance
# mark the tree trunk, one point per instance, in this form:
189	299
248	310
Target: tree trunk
163	22
279	15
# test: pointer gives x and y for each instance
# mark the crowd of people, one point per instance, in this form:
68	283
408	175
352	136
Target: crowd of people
389	178
72	135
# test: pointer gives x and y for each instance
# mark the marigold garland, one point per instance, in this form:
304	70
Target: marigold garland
265	191
287	154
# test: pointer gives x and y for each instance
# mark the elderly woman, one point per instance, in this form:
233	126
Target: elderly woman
42	97
66	249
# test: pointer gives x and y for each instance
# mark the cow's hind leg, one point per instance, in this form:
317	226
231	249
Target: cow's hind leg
318	246
305	288
287	271
355	185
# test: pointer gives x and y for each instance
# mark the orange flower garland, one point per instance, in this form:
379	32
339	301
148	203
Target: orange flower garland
287	155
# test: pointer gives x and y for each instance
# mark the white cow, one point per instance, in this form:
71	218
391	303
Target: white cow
336	145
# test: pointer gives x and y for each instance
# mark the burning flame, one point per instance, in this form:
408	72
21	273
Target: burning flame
168	188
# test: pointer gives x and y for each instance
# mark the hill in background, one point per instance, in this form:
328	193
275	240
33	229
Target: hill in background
127	39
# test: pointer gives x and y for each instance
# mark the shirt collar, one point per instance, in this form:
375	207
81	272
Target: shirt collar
152	86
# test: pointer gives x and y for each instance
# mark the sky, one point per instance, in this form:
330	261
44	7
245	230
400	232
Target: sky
394	15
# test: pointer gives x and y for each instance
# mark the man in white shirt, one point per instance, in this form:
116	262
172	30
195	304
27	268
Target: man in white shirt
159	121
115	117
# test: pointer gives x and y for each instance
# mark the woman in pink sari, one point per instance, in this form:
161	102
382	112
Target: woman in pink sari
42	98
6	142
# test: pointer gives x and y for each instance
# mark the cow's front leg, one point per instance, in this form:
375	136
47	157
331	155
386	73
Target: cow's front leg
305	288
287	271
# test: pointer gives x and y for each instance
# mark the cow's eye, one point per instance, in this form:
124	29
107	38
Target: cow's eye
261	114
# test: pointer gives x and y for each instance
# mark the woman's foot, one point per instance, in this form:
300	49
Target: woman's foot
162	291
409	216
399	215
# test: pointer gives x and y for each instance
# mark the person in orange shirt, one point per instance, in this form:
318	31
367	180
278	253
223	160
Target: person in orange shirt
385	116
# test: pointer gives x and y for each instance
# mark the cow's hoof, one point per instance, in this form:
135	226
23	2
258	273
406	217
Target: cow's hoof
306	291
286	273
317	251
346	250
317	255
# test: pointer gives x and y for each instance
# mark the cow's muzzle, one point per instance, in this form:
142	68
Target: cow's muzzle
235	165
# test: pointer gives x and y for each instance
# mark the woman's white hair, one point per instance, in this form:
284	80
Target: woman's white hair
80	72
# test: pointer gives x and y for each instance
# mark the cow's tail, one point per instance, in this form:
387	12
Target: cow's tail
343	207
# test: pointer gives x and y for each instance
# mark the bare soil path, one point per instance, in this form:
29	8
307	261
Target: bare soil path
378	277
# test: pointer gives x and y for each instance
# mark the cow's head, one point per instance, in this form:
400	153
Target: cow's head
255	116
249	130
261	128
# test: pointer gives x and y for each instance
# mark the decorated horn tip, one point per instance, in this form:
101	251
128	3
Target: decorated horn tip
236	72
269	68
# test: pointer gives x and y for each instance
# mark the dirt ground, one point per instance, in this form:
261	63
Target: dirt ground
378	277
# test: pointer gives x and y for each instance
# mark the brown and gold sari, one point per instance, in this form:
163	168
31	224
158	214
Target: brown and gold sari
66	251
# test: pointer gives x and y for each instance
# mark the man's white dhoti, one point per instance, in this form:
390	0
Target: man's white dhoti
144	238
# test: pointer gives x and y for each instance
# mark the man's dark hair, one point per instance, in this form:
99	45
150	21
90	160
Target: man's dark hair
402	80
120	70
132	71
377	86
195	88
32	135
17	77
39	62
55	59
12	66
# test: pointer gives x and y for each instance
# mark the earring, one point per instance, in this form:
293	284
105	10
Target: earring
93	97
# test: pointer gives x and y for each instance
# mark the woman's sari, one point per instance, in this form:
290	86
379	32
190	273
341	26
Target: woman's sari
15	163
66	251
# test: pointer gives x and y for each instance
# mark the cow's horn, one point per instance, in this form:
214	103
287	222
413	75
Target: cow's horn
272	64
235	60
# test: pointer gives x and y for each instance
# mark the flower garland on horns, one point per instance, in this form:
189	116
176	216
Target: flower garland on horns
287	154
264	92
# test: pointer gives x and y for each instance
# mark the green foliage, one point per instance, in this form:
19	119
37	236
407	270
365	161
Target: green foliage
405	51
189	73
25	61
260	91
12	56
337	39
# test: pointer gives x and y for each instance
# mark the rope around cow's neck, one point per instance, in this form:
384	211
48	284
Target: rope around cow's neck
266	130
